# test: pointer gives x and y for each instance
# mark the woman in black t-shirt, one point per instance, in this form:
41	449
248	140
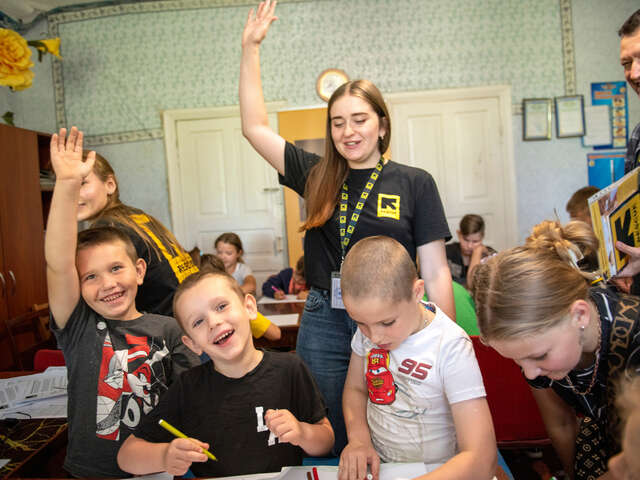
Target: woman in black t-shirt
399	201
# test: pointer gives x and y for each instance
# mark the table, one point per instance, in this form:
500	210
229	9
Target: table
289	332
36	447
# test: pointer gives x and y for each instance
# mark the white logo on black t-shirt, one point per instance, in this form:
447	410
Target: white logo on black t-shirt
262	427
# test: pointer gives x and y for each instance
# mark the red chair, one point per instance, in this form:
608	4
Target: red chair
515	413
47	358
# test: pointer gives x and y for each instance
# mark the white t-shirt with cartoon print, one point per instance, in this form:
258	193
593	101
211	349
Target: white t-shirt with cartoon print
433	368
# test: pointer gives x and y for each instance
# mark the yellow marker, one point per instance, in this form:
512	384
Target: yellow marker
174	431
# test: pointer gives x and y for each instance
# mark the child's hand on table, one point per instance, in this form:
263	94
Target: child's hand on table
278	295
303	295
181	453
354	460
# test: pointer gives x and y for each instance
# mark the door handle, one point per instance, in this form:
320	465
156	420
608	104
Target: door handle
4	284
271	189
15	284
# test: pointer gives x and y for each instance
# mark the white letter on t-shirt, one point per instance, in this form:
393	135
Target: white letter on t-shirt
262	427
259	413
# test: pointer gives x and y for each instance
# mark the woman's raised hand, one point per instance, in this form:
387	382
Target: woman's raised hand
66	155
258	24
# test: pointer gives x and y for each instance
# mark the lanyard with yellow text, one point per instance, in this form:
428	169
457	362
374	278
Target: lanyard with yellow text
347	230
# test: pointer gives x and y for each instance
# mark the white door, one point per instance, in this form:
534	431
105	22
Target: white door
218	183
463	138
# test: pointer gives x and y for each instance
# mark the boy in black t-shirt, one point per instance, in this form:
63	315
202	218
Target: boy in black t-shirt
119	360
256	411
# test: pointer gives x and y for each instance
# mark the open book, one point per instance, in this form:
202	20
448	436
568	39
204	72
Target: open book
615	215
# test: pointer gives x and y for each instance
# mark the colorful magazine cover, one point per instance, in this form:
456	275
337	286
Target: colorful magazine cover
615	215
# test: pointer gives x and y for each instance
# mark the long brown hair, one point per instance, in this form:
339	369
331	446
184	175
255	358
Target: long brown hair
116	212
529	289
327	176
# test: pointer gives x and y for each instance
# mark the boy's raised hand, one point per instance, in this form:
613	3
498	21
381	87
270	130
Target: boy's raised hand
181	453
284	426
66	155
354	460
256	27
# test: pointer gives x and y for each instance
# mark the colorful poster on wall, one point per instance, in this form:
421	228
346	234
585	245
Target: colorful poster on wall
614	95
605	168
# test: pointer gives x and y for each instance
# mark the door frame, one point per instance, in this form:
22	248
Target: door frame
170	119
502	93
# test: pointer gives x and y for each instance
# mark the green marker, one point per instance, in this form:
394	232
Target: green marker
174	431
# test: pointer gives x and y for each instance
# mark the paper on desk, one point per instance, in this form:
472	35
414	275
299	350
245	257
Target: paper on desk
388	471
49	407
289	298
285	319
16	390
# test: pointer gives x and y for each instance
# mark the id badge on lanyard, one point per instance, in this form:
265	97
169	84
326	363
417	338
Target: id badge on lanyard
336	291
346	231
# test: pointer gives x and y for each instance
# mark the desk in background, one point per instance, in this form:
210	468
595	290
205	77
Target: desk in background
36	447
289	332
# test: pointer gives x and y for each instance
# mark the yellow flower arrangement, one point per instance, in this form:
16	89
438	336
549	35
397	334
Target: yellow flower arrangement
15	58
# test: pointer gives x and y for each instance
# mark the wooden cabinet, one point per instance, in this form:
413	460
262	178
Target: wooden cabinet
22	266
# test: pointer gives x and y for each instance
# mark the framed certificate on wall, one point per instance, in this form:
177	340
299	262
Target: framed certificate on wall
570	116
536	119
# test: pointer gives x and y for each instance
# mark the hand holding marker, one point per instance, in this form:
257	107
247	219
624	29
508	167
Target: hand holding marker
174	431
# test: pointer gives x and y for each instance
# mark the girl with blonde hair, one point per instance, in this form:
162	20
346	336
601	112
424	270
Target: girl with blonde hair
351	190
570	337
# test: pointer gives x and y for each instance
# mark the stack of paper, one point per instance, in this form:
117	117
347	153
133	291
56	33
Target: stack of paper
43	395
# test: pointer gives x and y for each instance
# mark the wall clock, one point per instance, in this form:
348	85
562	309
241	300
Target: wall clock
328	82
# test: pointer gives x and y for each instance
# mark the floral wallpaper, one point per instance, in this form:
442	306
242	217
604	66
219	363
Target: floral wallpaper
125	64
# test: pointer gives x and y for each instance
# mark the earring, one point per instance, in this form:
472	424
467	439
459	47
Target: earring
582	328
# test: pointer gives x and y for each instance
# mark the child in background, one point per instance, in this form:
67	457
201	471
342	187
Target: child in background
288	281
578	206
460	255
119	360
626	465
256	411
229	248
261	326
414	391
